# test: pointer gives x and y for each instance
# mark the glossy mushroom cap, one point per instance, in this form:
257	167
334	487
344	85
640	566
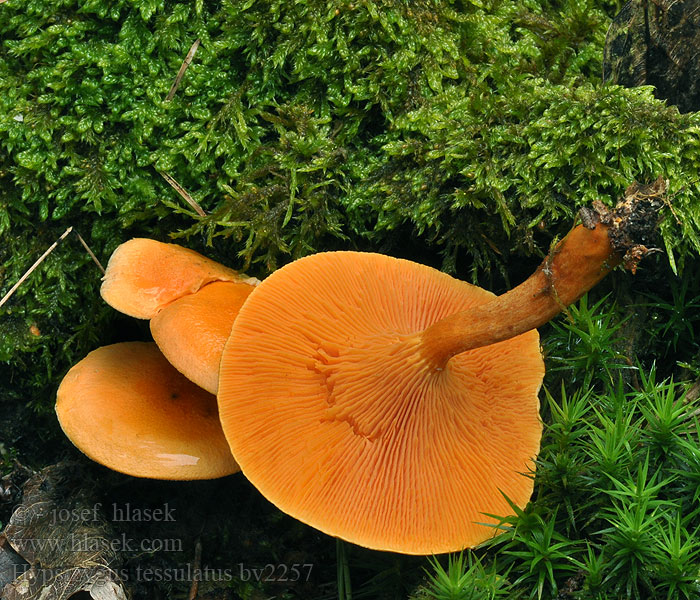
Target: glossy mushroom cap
336	417
191	300
191	331
127	408
143	276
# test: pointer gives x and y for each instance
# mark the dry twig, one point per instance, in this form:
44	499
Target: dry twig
197	566
91	253
183	68
184	193
31	269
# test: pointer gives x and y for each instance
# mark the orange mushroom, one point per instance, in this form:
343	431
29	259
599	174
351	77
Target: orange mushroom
127	408
334	415
143	276
385	403
191	300
191	331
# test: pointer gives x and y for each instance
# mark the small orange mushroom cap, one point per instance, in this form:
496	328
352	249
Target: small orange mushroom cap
127	408
337	417
191	331
143	276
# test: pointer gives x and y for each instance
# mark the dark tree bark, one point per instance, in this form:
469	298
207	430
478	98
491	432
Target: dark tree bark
657	42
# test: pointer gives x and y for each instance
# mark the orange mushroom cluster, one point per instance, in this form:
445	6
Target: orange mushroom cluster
191	302
376	399
134	407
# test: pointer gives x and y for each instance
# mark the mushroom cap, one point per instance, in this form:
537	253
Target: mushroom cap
127	408
144	275
331	413
191	331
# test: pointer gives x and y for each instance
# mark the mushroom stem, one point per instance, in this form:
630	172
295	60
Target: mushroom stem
573	267
577	263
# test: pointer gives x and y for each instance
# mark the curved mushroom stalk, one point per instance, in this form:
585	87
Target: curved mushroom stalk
576	264
573	267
